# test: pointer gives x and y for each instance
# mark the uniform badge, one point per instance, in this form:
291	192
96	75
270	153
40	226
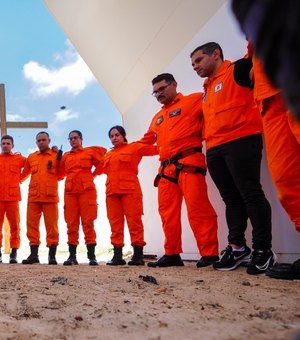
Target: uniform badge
174	113
159	120
218	87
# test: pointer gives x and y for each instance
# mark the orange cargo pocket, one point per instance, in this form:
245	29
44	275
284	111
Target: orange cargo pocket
51	191
14	191
68	185
88	184
229	115
93	208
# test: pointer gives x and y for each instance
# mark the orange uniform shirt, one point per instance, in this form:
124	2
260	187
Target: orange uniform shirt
178	127
229	109
263	88
121	166
43	168
11	166
77	167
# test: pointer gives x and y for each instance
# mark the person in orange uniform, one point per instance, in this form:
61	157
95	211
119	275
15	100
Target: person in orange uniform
233	133
11	165
177	130
43	167
282	140
124	195
80	194
281	131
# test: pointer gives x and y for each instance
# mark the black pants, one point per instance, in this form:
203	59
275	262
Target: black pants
235	169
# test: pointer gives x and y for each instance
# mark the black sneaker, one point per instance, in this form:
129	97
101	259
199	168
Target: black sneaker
168	261
261	260
285	271
231	259
207	261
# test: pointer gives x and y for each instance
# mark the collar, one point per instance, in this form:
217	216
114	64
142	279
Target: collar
43	153
6	155
222	69
178	97
121	145
79	149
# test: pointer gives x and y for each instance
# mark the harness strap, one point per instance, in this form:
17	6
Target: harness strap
179	167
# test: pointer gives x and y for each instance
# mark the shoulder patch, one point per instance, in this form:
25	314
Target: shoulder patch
174	113
159	120
218	87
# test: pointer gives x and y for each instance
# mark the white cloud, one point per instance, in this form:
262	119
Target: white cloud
64	115
17	118
72	76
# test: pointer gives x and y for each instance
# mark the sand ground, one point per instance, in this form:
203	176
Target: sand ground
103	302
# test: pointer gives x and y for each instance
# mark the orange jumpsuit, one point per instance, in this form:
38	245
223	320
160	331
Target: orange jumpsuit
123	191
177	127
11	166
80	191
282	139
42	196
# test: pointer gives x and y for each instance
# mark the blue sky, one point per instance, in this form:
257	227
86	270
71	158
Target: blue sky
43	72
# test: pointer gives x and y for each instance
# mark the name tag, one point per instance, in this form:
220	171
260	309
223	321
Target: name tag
174	113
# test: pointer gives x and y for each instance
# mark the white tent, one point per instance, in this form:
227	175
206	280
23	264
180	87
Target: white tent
128	42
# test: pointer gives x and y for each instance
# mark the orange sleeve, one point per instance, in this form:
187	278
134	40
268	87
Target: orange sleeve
26	171
147	150
149	137
98	159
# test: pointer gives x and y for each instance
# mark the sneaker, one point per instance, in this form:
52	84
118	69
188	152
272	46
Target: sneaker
207	261
261	260
285	271
231	259
168	261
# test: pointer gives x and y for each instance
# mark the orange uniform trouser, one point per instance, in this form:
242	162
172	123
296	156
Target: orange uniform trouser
282	139
34	213
131	206
81	206
11	209
201	215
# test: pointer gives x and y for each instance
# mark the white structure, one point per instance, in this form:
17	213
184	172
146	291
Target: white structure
128	42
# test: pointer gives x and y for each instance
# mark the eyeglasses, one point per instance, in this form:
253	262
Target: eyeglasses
160	90
75	137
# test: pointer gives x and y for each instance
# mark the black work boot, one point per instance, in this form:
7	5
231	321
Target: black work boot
167	261
138	257
72	258
51	255
33	257
91	254
117	259
13	256
207	261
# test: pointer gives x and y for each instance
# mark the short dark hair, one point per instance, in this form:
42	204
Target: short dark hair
120	129
75	131
208	49
39	133
7	137
168	77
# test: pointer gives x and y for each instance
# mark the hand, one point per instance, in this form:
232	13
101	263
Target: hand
54	148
